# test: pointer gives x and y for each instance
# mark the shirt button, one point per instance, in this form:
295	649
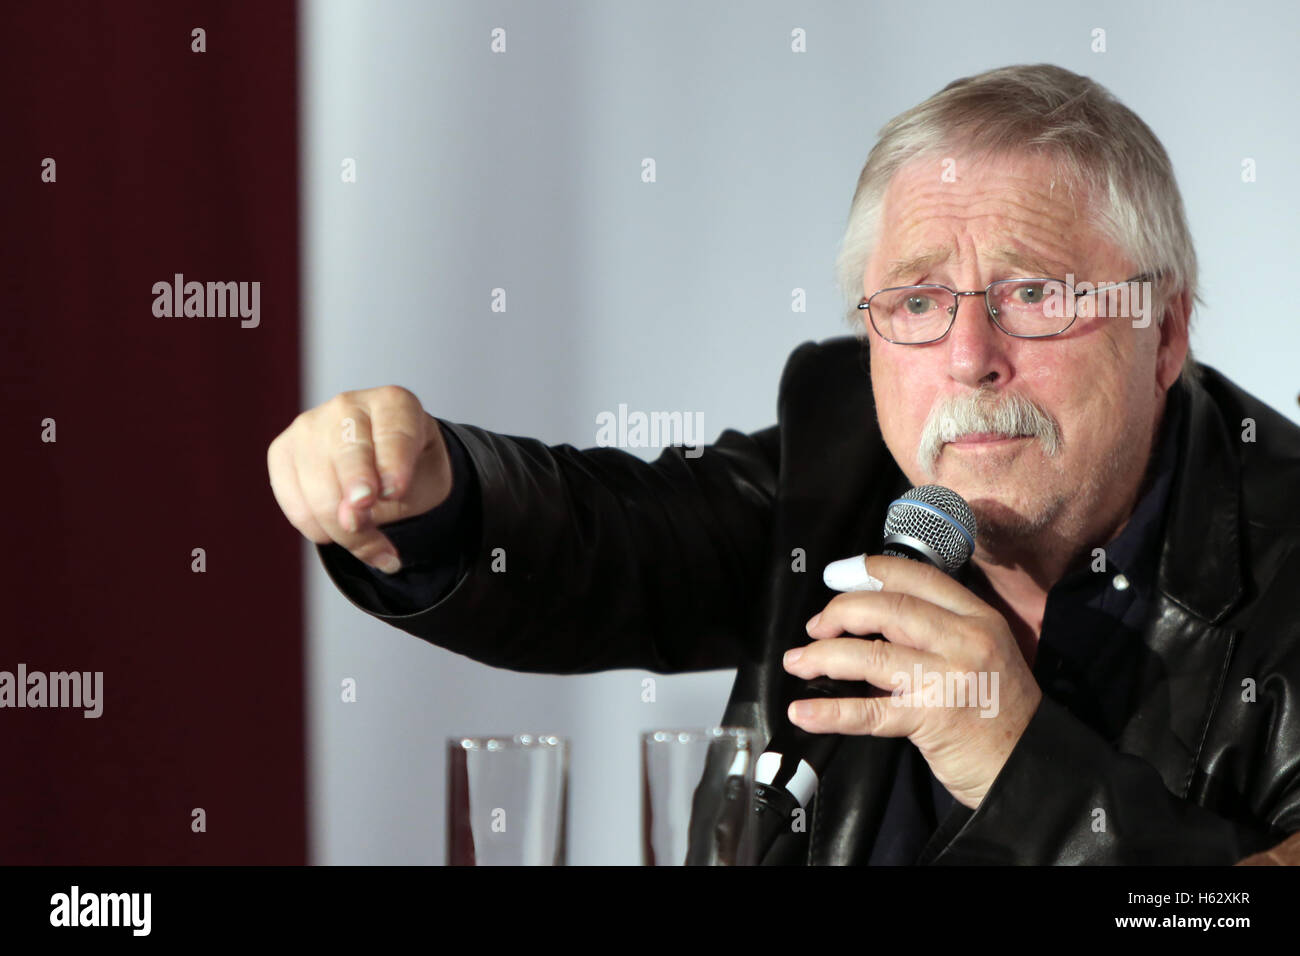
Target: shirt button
1120	582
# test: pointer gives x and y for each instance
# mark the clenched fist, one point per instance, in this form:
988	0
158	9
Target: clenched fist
358	461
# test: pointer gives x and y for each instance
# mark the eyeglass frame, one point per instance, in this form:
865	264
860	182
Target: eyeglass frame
865	303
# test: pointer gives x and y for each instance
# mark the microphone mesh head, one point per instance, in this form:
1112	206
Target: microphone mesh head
913	515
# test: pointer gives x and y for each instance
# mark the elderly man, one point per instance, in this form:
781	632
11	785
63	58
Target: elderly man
1020	272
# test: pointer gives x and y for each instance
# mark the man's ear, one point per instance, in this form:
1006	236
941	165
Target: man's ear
1174	341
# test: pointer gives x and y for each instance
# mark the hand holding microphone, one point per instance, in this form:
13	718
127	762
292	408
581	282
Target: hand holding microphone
929	524
939	631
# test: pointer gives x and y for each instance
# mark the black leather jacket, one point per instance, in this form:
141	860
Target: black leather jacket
715	562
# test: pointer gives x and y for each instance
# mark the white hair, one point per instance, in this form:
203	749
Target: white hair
1010	415
1101	149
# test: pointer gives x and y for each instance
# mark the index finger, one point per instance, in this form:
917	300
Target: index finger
399	430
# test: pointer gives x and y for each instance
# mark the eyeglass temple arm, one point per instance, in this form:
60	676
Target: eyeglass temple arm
1143	277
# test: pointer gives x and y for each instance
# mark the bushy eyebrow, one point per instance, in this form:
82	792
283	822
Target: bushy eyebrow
898	268
1029	264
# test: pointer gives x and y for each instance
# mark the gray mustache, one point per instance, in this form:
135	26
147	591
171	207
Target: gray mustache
1010	415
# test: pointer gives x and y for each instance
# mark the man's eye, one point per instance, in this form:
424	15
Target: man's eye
918	304
1030	294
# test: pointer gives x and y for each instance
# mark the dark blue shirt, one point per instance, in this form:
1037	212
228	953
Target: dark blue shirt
1088	648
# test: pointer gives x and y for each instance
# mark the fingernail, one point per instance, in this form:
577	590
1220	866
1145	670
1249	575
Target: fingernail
359	492
388	488
792	655
850	574
388	563
350	522
812	621
802	708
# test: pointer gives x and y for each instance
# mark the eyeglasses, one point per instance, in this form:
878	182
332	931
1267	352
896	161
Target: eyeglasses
1024	308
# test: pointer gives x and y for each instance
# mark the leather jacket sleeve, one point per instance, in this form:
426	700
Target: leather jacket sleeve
1072	798
594	559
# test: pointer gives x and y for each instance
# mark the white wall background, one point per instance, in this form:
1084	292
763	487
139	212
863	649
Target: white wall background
522	171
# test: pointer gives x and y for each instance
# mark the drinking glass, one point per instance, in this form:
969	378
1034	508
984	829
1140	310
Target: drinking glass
507	800
696	790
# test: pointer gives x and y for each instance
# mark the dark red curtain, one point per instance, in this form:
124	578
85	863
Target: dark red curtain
167	161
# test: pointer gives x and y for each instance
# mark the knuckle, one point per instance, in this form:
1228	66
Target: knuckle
980	643
899	603
334	414
862	713
928	570
877	655
395	395
872	714
398	446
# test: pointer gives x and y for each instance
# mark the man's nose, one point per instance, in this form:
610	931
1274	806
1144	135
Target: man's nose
977	349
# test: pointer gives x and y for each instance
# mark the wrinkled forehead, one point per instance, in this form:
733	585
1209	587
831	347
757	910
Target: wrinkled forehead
1025	212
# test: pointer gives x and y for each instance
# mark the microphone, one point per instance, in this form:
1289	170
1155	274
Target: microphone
929	523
